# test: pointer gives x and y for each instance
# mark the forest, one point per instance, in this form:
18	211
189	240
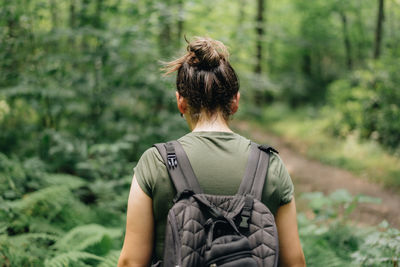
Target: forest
82	96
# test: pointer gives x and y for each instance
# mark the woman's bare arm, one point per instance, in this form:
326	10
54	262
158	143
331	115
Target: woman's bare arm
138	243
290	251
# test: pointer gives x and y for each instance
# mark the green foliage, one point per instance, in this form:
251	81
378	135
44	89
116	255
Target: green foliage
368	102
12	177
327	247
381	248
55	204
94	238
329	239
81	98
20	251
62	179
338	205
72	258
309	131
111	259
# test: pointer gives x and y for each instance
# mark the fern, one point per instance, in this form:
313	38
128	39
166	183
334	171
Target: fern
111	260
55	204
109	204
29	237
72	258
88	236
3	227
42	225
12	177
69	181
23	250
42	201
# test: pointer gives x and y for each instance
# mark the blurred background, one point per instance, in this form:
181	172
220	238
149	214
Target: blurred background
82	97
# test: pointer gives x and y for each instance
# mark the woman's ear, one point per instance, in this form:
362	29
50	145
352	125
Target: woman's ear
235	103
181	103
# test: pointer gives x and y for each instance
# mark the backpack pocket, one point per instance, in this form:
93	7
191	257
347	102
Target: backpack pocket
228	249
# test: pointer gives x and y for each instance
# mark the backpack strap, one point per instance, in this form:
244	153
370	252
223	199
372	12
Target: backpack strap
179	167
256	170
253	181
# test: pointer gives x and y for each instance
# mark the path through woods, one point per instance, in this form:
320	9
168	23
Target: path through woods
311	175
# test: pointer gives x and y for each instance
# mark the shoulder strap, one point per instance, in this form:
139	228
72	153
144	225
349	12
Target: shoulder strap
256	170
179	167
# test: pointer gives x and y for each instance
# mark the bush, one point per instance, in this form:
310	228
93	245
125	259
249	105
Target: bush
368	102
329	239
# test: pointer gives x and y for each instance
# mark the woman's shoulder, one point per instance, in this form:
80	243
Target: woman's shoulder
276	164
279	178
152	154
148	169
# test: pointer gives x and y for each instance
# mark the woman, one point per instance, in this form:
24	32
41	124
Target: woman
207	95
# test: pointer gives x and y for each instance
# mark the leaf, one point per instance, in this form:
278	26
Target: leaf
341	196
67	259
368	199
70	181
29	237
85	236
111	259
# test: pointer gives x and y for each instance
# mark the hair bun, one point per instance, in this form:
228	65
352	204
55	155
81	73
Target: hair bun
207	52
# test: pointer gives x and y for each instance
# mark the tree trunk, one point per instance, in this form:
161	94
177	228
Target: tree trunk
11	66
306	62
346	39
260	35
54	15
83	16
241	16
394	44
165	28
242	4
361	40
180	23
72	14
97	18
379	29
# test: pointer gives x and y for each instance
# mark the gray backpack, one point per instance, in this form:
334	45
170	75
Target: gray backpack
211	230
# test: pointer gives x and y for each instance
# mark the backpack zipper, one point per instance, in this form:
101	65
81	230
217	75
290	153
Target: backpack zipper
228	258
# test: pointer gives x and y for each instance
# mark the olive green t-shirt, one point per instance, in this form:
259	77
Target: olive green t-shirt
218	160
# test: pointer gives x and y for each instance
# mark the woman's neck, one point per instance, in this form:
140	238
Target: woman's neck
211	124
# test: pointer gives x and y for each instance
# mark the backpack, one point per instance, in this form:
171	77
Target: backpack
212	230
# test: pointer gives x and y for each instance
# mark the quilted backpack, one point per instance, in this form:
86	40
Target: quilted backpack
211	230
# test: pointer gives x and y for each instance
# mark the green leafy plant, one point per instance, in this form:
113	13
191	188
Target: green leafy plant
381	247
330	239
368	104
73	258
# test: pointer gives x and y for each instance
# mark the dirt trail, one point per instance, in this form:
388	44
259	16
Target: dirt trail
310	175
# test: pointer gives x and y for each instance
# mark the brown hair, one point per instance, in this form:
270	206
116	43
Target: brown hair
205	77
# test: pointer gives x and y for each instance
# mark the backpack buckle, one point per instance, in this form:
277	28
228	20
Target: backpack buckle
245	217
184	194
172	160
268	149
246	213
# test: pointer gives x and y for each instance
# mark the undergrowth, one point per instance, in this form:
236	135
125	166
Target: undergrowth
330	239
309	131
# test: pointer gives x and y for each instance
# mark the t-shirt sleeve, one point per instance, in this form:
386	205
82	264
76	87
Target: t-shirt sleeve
149	167
285	186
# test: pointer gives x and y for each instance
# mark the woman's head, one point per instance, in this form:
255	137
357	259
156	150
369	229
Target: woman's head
205	78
